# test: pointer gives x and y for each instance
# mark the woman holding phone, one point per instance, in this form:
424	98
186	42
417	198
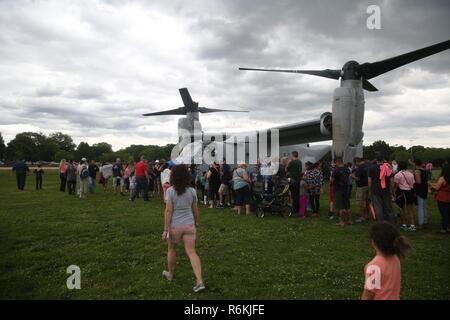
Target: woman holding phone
180	222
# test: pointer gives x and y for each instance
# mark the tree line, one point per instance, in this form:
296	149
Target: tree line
35	146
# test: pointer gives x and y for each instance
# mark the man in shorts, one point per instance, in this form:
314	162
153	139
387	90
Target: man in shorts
117	170
341	191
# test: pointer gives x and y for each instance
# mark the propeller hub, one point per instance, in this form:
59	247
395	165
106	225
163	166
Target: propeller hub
350	71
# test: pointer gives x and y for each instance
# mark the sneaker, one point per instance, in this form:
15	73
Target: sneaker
404	227
167	275
199	287
360	220
332	217
412	228
220	206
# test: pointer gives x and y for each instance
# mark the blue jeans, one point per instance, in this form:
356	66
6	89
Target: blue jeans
422	210
91	185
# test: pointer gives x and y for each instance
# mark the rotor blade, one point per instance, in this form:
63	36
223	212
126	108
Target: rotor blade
186	97
368	86
178	111
327	73
371	70
208	110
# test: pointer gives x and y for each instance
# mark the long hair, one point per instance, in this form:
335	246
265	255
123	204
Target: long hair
446	172
180	178
388	239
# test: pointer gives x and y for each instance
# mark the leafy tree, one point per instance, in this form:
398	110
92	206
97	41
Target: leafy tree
63	141
84	150
100	149
2	147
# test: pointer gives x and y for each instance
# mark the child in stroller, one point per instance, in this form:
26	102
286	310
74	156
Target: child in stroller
271	197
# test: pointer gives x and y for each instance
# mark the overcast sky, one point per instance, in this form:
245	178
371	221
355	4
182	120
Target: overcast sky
91	68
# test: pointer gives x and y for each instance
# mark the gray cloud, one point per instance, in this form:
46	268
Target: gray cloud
92	68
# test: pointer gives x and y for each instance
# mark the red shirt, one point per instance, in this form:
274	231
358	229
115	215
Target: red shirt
141	169
443	194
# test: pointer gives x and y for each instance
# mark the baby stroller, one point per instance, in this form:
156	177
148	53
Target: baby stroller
271	199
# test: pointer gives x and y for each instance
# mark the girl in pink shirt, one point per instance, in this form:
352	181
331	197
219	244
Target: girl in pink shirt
383	273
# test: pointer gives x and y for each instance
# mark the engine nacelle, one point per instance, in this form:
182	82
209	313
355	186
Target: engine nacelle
326	124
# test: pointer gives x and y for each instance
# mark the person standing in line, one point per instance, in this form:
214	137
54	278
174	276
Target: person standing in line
157	180
71	177
213	176
105	174
126	176
442	187
379	181
404	194
224	189
429	168
362	188
39	173
303	197
421	191
342	192
117	171
241	187
21	169
93	169
293	170
83	173
63	175
181	217
141	174
165	178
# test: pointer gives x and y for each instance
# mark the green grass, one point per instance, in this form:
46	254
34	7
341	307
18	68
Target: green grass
118	248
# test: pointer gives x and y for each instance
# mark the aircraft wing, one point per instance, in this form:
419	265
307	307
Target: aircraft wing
306	132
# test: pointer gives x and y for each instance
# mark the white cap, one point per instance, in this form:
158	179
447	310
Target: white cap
156	161
83	159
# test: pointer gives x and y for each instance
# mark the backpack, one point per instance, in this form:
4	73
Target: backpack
84	173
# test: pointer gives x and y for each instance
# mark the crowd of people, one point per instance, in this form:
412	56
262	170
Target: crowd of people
380	186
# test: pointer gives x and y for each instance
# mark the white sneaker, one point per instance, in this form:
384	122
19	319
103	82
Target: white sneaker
199	287
412	228
404	227
167	275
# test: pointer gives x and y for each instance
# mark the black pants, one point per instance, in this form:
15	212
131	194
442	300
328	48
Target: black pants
141	186
63	178
38	183
382	204
21	177
314	200
444	209
71	185
295	194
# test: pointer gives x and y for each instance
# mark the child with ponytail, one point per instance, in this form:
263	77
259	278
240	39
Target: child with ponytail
383	273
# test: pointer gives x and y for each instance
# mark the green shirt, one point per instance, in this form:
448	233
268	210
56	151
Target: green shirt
294	169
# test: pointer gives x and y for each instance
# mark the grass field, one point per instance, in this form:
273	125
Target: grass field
118	248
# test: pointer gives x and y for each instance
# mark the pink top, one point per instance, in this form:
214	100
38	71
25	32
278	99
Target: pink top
127	172
405	180
383	277
62	168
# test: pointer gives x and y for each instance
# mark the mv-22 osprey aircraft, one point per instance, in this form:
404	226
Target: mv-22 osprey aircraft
343	125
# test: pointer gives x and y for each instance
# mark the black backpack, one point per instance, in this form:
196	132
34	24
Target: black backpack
84	173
